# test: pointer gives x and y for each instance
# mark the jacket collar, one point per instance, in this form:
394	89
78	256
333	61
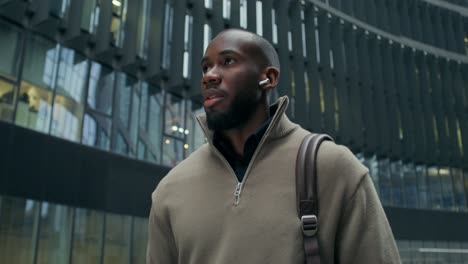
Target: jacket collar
280	124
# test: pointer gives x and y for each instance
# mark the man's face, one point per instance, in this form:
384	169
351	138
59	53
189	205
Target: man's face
230	82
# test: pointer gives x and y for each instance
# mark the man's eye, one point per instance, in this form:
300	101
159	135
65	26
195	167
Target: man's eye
229	61
204	69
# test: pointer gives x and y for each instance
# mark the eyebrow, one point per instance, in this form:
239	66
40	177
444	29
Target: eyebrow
222	53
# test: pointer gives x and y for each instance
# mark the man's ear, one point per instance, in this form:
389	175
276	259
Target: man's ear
272	74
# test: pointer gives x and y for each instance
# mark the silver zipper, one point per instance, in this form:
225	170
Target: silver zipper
237	193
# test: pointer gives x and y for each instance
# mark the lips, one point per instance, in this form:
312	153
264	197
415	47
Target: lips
212	97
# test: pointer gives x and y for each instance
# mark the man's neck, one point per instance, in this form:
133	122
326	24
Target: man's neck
239	135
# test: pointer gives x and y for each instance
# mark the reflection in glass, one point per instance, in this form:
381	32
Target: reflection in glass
9	49
410	186
175	117
121	145
397	183
68	103
195	135
206	36
173	151
168	22
385	182
87	236
143	28
96	131
18	229
187	45
243	13
144	102
125	86
119	12
101	88
139	239
55	233
90	15
423	186
34	107
117	239
435	187
227	9
374	171
40	62
6	100
447	187
155	124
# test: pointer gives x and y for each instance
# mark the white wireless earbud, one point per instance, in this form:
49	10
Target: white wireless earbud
264	82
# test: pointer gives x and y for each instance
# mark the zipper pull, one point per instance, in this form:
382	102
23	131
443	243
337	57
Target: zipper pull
237	193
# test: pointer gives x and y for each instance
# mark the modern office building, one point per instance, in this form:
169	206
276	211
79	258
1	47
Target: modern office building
97	99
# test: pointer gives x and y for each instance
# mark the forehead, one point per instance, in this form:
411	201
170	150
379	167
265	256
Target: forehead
236	41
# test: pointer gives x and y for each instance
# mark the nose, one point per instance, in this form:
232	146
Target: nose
211	76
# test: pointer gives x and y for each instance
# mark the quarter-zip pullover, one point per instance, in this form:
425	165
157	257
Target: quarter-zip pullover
201	213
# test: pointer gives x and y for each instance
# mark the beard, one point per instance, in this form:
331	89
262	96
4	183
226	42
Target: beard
238	113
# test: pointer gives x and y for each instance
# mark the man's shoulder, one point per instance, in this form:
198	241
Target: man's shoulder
337	166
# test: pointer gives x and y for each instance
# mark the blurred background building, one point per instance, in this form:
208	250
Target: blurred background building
97	99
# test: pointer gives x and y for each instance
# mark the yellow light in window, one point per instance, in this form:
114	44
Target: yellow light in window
186	132
174	128
186	146
168	141
466	40
116	2
181	130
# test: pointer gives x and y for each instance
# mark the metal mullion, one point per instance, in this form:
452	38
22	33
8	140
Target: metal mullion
392	103
353	86
367	92
337	40
439	111
198	13
407	143
177	47
428	36
155	39
449	100
312	70
267	6
381	116
130	30
25	37
325	62
430	142
415	107
103	237
235	14
103	34
459	33
72	235
216	18
298	65
252	15
284	85
405	19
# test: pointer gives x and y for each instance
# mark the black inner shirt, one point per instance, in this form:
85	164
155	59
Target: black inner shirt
239	163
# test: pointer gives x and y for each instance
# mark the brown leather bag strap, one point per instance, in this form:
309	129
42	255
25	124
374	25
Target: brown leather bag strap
306	192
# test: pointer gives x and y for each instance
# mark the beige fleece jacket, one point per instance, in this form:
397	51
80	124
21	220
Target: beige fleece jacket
202	215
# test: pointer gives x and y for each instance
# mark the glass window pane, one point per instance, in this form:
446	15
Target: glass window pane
87	236
435	187
143	28
385	182
143	120
374	171
9	49
174	113
121	145
69	99
155	123
141	148
168	19
55	234
34	107
194	133
410	185
7	94
243	13
40	62
101	88
139	240
459	191
18	226
173	151
117	239
124	89
96	131
90	15
227	9
134	118
423	186
447	187
397	183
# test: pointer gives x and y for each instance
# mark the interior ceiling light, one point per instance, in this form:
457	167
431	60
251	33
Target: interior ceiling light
116	2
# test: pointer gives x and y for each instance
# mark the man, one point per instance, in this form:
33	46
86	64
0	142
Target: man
234	199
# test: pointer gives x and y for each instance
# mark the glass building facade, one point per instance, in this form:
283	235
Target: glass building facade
118	81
